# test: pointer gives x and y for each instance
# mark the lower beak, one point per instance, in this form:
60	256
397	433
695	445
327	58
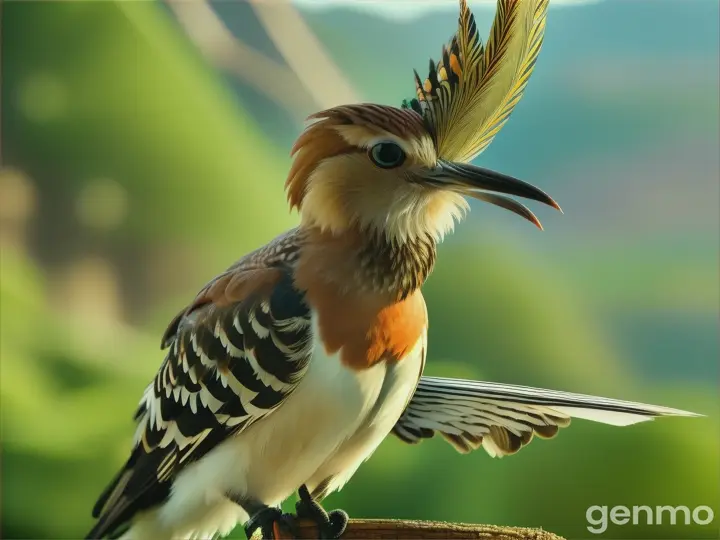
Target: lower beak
484	185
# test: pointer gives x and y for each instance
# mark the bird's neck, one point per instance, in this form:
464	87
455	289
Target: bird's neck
367	262
396	266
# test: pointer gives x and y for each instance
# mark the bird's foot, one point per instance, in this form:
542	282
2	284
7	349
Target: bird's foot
273	524
330	525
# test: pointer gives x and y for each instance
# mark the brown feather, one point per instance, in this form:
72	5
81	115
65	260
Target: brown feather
254	273
315	144
370	306
403	123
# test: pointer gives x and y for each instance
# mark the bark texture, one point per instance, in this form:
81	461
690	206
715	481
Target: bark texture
377	529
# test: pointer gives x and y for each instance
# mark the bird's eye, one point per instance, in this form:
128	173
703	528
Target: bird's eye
387	155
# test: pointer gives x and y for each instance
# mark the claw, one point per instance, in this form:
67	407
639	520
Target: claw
273	524
338	523
331	525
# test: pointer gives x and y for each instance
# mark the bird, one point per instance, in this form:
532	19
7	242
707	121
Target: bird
287	370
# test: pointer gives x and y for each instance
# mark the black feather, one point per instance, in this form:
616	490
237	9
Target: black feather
146	479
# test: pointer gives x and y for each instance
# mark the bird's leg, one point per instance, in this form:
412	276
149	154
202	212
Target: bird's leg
272	522
330	524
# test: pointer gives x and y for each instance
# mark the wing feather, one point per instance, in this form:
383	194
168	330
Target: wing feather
503	418
233	357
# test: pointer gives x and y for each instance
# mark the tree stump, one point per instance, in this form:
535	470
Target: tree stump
400	529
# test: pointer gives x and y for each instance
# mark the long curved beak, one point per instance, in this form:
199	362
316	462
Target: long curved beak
484	184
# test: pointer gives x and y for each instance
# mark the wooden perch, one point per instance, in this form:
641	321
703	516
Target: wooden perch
377	529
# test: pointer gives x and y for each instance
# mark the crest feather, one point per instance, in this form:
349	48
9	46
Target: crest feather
470	94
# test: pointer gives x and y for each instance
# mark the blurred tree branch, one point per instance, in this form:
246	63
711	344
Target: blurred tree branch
311	82
376	529
225	51
304	53
1	82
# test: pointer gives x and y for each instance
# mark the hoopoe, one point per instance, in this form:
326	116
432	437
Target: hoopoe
288	370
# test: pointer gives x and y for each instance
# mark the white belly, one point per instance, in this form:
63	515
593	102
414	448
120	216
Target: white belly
328	426
398	385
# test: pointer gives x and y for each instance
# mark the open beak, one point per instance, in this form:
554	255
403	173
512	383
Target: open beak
484	185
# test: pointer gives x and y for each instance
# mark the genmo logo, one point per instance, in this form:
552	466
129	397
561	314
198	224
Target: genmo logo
599	517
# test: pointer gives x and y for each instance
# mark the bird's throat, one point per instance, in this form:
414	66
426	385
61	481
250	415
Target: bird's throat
396	267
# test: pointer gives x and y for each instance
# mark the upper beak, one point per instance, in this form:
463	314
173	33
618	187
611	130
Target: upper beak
476	182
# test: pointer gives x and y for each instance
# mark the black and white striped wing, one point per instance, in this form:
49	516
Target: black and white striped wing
503	418
226	368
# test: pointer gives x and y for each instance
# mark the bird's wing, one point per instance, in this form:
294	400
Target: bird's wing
233	357
503	418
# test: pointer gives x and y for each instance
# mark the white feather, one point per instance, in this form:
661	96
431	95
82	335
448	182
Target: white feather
304	441
598	409
467	409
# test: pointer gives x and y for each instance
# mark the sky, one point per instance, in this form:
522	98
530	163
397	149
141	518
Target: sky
409	9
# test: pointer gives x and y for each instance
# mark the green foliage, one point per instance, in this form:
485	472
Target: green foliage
114	89
137	104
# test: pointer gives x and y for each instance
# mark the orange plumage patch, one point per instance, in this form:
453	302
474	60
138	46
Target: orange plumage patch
392	333
367	329
314	145
455	65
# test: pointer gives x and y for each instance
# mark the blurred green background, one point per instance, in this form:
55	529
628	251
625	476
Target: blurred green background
144	148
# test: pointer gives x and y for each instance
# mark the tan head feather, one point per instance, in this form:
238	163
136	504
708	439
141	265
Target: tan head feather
345	130
470	95
337	187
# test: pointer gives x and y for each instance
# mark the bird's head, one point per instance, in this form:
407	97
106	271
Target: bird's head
404	172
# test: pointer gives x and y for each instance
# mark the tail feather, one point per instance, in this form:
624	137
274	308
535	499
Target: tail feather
616	418
108	523
502	418
597	409
135	488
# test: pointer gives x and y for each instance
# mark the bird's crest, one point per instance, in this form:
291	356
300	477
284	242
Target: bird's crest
470	93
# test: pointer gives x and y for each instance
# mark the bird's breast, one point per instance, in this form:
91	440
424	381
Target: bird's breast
365	330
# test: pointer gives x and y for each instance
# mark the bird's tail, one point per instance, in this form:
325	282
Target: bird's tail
598	409
503	418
